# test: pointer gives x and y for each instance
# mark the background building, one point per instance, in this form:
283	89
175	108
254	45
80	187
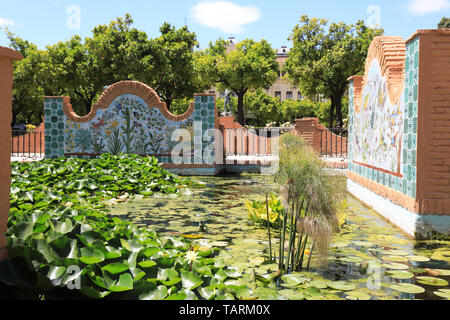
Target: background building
281	88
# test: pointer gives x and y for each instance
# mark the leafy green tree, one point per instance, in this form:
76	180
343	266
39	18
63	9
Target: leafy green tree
250	66
262	108
169	64
297	109
445	23
27	104
323	58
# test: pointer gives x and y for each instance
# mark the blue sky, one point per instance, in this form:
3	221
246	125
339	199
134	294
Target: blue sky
46	22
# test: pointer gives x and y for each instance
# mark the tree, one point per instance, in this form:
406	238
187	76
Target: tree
27	104
445	23
169	65
250	66
321	60
262	108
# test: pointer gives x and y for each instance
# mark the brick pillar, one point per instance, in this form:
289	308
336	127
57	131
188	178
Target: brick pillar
309	130
6	82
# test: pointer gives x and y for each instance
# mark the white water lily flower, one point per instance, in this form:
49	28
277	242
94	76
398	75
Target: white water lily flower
191	256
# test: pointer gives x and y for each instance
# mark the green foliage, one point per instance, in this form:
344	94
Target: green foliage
444	23
114	144
115	52
83	139
57	222
323	57
309	198
180	106
257	211
261	108
250	66
128	130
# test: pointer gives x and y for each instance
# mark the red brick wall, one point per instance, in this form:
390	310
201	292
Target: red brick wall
6	82
433	159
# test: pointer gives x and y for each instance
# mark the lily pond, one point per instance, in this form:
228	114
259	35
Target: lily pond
368	260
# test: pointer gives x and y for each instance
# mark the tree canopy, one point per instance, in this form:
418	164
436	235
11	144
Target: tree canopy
323	58
250	66
115	52
444	23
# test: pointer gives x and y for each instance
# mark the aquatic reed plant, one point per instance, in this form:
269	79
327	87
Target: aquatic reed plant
309	198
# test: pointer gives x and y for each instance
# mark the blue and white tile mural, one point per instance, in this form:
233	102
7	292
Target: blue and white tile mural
127	126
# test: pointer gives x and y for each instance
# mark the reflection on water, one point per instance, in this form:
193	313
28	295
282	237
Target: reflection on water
374	259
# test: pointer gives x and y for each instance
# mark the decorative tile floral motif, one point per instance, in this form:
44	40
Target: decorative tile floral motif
128	125
387	139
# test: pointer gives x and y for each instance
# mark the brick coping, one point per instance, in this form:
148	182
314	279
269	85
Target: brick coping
139	89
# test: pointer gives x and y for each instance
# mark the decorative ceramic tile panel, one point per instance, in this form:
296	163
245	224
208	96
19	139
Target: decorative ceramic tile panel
128	125
54	128
383	141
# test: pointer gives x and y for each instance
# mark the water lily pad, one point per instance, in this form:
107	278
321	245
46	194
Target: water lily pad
418	258
440	272
352	259
443	293
256	261
363	243
341	285
432	281
408	288
318	284
340	244
292	294
400	274
395	266
395	252
220	244
442	255
357	295
396	258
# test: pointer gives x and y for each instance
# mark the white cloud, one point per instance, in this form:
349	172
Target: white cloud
422	7
6	22
225	16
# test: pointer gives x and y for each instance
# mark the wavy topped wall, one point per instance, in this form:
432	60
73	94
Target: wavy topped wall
399	122
129	117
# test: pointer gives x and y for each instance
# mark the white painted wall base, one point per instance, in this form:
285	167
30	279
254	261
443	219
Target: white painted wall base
411	223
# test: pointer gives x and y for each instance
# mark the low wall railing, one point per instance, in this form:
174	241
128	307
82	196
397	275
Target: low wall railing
334	143
27	144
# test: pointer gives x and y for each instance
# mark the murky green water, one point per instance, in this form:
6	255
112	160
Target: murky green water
370	259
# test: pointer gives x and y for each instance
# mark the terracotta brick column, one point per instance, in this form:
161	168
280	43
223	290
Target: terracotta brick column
310	130
6	81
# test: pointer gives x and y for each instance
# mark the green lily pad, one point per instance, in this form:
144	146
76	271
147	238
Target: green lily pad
441	272
220	244
400	274
432	281
357	295
352	259
443	293
395	252
418	258
191	280
396	258
341	285
396	266
442	255
408	288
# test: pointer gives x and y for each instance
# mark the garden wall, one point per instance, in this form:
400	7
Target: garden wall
129	117
6	82
399	132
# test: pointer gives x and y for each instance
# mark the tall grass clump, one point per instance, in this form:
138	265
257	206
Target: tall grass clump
309	197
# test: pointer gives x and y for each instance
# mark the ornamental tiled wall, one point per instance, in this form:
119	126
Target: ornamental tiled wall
129	117
399	122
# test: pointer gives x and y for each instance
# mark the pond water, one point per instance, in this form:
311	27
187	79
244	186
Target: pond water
368	260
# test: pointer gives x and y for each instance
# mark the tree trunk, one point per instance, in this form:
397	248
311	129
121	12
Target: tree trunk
339	113
241	115
331	115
